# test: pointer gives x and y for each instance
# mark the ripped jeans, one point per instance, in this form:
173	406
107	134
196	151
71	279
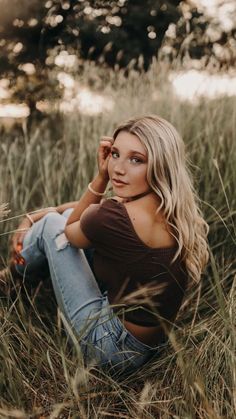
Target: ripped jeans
103	339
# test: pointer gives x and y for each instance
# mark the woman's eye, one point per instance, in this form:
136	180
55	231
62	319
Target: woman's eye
114	154
135	160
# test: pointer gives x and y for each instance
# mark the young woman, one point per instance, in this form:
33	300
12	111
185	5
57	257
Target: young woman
120	266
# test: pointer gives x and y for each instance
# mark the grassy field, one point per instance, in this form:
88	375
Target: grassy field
40	375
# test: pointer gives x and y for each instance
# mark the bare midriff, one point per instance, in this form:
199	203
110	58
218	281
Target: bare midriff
148	335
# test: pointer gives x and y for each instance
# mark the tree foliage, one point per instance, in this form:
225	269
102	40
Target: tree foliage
119	33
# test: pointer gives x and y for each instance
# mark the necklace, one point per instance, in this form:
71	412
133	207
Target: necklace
133	198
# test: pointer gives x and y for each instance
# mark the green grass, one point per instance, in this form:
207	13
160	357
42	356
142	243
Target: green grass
40	374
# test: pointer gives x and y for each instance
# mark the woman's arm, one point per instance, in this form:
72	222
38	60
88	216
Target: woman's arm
98	184
29	219
92	195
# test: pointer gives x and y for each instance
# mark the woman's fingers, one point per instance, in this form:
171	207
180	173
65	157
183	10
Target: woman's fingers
105	142
18	237
104	148
105	145
103	154
17	243
106	138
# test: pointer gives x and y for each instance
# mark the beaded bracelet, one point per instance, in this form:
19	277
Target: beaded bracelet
95	192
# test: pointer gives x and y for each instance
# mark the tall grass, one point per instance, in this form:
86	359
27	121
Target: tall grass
195	377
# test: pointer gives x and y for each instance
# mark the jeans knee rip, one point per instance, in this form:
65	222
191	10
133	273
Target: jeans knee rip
61	241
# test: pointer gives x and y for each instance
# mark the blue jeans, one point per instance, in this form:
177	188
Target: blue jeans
86	311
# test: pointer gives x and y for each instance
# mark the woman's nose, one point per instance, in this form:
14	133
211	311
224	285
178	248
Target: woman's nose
119	168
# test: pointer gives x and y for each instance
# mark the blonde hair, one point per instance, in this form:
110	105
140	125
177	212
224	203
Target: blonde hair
170	179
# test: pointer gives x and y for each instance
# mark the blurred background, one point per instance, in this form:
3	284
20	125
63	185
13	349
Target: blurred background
45	46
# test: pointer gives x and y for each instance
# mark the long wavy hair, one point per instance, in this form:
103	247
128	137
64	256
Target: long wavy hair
170	178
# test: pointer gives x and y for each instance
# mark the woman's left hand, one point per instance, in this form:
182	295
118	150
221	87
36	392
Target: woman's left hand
103	156
17	241
24	226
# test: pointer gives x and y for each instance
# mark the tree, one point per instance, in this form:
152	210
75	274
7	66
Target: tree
119	30
124	30
200	35
115	33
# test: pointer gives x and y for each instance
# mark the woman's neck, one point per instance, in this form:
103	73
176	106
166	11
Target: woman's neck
134	198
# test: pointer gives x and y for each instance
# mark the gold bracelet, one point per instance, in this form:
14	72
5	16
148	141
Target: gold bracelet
95	192
30	218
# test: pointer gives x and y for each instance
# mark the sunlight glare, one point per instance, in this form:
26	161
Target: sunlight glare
4	89
193	84
14	111
87	102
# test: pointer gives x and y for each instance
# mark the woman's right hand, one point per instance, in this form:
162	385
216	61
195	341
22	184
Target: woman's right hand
103	156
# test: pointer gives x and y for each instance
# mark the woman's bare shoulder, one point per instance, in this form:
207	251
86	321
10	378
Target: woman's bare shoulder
150	226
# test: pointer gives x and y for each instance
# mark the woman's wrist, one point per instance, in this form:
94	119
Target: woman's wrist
36	215
98	185
30	218
103	177
96	193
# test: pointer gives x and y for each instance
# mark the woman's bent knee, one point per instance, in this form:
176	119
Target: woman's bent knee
54	224
67	212
53	217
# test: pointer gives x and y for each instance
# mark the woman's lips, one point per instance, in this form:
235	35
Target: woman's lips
117	182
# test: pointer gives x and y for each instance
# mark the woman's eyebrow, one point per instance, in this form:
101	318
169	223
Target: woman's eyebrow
130	151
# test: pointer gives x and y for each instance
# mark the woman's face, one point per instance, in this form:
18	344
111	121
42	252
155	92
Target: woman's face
127	166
